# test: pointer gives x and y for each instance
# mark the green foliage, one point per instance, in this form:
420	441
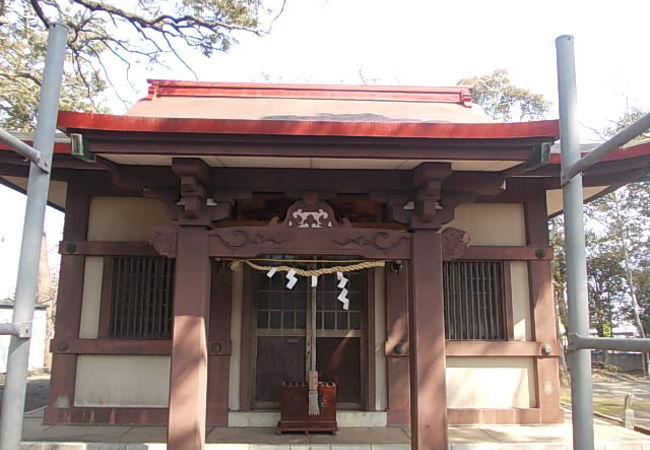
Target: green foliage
102	36
22	57
501	99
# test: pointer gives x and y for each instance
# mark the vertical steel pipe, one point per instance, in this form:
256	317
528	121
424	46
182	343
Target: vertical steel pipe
13	399
579	360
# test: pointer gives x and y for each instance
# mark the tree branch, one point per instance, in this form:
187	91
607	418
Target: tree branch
39	12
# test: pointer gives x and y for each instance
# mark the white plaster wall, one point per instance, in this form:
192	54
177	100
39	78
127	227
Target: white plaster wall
91	297
520	301
495	382
37	342
235	340
381	393
124	219
492	223
117	380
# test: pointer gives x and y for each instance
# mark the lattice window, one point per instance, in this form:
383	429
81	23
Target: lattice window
141	300
329	313
279	308
474	300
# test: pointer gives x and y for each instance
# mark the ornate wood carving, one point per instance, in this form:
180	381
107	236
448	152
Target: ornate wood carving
454	243
163	238
249	242
310	213
309	227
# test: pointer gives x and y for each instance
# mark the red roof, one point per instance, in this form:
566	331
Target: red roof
104	122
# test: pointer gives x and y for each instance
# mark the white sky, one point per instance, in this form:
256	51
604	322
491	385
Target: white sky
420	42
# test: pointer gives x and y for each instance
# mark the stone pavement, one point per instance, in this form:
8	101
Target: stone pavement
36	392
486	437
610	396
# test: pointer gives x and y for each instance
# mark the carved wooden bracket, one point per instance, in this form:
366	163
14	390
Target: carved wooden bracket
164	238
454	243
422	209
191	205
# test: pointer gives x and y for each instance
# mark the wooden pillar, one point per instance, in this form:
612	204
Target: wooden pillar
547	387
427	344
219	345
397	343
68	315
189	362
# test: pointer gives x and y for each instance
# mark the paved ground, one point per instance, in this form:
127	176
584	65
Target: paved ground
37	390
610	391
609	394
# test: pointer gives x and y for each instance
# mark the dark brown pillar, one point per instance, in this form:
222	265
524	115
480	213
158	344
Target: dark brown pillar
219	345
547	388
397	343
189	362
427	344
68	316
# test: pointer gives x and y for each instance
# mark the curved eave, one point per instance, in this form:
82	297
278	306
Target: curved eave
542	130
630	152
626	165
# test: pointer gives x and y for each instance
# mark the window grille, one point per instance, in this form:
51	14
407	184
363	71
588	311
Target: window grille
474	300
279	308
142	294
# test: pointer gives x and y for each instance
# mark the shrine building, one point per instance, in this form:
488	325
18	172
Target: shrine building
234	250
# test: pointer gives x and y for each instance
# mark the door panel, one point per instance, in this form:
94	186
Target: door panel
338	360
279	358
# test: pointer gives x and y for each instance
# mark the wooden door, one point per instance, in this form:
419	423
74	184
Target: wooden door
280	326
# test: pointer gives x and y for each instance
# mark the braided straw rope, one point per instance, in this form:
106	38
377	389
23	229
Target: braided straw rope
236	266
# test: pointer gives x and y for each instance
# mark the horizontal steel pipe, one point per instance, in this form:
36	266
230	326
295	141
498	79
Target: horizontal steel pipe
607	147
23	149
577	342
8	329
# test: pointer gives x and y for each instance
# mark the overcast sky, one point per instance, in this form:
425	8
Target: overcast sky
419	42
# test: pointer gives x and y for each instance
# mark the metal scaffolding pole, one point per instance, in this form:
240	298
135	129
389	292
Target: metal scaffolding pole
580	344
13	399
576	265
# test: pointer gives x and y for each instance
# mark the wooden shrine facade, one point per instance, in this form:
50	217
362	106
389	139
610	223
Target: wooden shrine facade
153	327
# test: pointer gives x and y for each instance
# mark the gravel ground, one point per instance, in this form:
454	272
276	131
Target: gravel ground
37	390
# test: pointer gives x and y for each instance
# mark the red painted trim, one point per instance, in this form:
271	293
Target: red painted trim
634	151
173	88
59	147
547	129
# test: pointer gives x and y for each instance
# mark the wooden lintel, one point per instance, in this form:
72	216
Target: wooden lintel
502	348
249	242
500	253
100	248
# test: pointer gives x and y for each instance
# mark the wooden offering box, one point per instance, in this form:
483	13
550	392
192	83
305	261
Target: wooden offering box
295	406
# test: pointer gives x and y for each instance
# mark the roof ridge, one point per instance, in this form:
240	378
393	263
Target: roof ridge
429	94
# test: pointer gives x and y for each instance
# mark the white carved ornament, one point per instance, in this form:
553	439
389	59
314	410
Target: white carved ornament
310	219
